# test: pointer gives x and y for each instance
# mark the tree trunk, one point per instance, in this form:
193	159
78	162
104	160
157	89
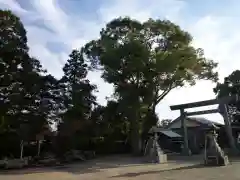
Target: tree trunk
39	148
21	149
135	133
135	138
151	119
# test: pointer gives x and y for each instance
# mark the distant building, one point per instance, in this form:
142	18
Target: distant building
193	122
196	129
171	137
168	139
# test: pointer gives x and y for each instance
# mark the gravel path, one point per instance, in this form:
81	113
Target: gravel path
122	168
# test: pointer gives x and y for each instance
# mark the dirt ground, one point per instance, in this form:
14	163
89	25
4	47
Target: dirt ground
126	167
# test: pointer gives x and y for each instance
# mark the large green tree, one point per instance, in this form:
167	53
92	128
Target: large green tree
13	51
230	86
22	89
110	120
19	73
165	122
79	98
144	62
77	92
110	128
51	98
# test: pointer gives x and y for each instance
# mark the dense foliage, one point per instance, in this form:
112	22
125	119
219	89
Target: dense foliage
144	62
230	86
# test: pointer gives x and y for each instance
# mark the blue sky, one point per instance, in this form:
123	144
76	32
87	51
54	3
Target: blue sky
55	27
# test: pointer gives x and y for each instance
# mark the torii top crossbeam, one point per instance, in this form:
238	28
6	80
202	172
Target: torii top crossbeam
223	100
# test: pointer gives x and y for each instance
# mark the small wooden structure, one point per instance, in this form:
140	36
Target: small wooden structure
222	109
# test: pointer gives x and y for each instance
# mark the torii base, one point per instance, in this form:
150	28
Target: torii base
216	161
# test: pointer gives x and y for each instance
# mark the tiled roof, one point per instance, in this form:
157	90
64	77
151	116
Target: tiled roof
205	121
200	120
167	132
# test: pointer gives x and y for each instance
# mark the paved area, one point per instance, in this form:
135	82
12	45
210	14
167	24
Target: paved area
123	167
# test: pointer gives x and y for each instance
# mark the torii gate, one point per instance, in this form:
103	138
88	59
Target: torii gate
222	109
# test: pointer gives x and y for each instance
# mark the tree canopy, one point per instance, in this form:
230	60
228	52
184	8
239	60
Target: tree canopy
230	86
145	61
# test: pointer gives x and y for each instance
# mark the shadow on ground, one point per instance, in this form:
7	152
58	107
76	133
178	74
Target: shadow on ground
102	163
160	171
90	166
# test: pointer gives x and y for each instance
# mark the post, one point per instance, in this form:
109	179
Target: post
184	130
21	146
39	148
228	129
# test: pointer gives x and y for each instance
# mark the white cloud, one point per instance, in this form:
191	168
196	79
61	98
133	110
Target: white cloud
48	59
141	10
13	5
217	35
